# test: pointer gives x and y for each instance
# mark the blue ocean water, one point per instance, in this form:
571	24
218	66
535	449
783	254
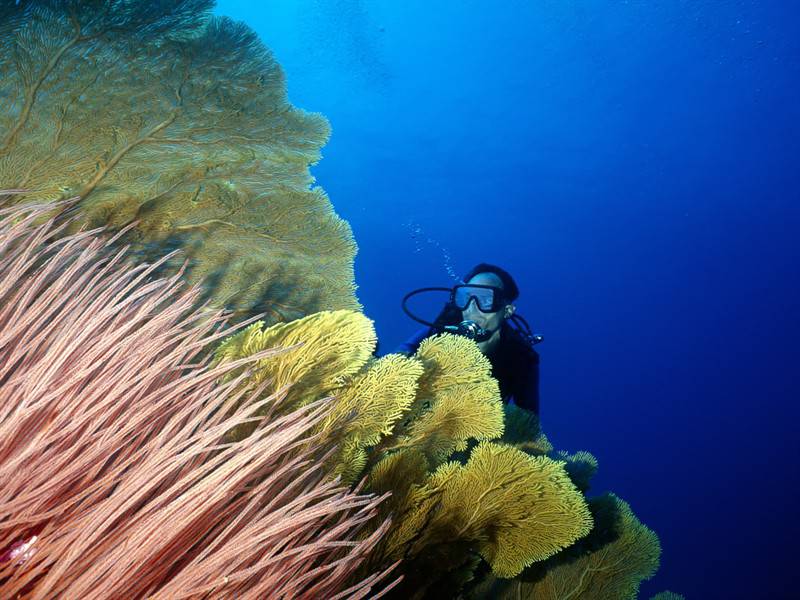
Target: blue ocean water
636	166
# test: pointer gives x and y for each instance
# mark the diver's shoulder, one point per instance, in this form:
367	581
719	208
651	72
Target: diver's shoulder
516	341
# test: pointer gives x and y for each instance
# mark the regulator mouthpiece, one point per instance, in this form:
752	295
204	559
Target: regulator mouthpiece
469	329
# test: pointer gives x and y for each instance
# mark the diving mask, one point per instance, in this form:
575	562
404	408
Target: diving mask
488	299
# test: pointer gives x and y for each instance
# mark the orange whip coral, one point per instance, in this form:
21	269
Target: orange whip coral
115	476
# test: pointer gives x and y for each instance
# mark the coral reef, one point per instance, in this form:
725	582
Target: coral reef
500	503
155	468
482	504
510	508
158	114
114	478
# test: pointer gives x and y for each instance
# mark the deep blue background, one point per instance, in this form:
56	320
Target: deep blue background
636	165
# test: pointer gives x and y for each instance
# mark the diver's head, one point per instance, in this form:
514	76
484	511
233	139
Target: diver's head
486	297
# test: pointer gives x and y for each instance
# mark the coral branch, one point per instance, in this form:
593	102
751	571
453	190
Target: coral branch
116	479
30	95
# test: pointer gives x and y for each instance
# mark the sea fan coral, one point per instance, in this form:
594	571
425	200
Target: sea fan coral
114	478
408	417
160	113
331	353
608	564
522	431
527	503
457	401
580	467
510	508
468	477
319	351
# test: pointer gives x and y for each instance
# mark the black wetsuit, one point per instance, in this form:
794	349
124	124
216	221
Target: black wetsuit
515	365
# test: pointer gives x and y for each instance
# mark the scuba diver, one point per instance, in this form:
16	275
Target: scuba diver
482	310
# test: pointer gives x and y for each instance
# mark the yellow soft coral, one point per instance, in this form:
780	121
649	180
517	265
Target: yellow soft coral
368	406
607	565
317	353
520	508
403	473
457	399
400	419
451	361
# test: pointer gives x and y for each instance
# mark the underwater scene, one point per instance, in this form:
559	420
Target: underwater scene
369	299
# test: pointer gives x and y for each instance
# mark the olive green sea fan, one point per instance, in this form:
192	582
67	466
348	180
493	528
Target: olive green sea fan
667	595
522	430
611	562
580	467
159	113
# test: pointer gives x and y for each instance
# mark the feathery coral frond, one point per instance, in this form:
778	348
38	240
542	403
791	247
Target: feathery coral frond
451	361
401	418
609	564
321	350
580	467
368	406
457	400
522	431
527	505
115	480
318	353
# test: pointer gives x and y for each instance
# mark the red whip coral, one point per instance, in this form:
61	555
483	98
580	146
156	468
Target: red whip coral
115	480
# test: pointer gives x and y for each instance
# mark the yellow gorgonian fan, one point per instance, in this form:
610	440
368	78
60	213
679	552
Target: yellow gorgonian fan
403	473
580	466
631	547
367	407
451	361
318	353
519	508
609	564
457	399
399	419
